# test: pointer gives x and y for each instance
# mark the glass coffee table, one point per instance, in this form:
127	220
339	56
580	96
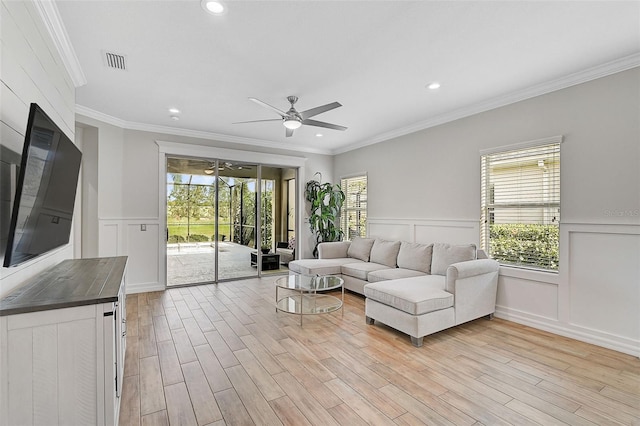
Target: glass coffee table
307	297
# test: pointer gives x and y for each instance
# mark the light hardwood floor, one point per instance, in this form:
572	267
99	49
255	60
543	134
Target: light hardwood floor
220	354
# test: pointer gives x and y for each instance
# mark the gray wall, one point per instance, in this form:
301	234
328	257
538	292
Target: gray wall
417	181
435	173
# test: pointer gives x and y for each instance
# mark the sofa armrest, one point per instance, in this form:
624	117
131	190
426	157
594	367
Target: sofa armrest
471	268
474	285
333	250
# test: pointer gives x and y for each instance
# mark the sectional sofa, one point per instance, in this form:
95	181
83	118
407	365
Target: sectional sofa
418	289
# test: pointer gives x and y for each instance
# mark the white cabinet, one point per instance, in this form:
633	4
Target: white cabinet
63	365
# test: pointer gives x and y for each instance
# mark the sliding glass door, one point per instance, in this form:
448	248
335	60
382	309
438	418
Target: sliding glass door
224	220
237	184
190	224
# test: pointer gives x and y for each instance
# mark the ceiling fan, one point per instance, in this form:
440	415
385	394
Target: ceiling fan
293	119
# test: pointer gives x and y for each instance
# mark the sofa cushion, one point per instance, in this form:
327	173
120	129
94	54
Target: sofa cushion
392	274
385	252
415	296
360	248
360	270
447	254
319	266
333	249
415	256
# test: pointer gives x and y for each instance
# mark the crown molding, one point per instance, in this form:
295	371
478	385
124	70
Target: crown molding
97	115
619	65
613	67
105	118
50	16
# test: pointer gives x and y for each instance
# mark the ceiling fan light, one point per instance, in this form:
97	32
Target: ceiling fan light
292	123
208	171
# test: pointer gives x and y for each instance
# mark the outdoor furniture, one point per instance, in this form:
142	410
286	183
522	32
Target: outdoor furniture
286	254
270	261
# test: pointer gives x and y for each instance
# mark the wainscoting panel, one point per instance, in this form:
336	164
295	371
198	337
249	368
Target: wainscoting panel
604	282
390	231
108	244
143	253
125	237
598	288
452	232
426	230
527	298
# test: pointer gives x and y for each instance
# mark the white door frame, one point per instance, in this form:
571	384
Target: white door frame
212	152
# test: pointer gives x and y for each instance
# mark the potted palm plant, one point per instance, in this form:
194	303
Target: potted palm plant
325	200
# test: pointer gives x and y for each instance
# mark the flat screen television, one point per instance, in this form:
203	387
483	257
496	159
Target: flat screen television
45	190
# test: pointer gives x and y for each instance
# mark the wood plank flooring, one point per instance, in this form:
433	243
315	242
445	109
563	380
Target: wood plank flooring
220	354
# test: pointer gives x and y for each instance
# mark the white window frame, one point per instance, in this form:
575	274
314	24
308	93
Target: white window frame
346	208
520	201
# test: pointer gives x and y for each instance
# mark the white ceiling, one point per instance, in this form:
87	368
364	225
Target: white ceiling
374	57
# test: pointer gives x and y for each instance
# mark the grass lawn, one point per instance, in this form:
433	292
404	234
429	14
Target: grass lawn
206	229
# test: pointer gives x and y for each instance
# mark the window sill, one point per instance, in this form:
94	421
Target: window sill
530	274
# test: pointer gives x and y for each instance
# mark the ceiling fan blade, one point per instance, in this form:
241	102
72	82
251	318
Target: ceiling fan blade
289	133
319	110
266	105
323	124
257	121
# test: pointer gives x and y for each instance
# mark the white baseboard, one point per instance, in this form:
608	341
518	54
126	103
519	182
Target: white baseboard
609	341
144	287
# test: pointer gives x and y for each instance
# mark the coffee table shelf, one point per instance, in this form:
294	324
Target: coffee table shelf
306	300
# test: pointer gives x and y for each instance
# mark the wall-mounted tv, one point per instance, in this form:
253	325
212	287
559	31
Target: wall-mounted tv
45	190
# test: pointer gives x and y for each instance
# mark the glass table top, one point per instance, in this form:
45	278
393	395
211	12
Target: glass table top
309	282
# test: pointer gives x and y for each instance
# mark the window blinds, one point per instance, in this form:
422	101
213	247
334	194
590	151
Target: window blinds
354	209
521	206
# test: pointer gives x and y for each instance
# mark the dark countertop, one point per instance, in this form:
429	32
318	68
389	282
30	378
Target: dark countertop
73	282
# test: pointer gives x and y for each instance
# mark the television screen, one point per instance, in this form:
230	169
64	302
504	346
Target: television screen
45	190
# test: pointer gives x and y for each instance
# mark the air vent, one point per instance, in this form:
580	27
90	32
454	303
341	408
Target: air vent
113	60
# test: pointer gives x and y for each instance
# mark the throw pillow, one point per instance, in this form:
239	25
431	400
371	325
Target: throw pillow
360	248
385	252
292	243
415	256
447	254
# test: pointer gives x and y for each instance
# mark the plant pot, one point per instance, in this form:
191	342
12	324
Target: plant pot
265	250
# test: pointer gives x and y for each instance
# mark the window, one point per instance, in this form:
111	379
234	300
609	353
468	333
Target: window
291	209
354	210
521	205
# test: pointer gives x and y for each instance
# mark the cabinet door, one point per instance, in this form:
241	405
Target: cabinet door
52	364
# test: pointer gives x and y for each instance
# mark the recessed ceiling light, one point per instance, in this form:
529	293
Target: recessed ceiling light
174	110
319	135
215	7
433	86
